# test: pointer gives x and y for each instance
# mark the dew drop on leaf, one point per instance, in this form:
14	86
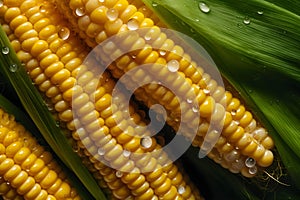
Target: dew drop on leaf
13	67
247	20
204	7
260	12
5	50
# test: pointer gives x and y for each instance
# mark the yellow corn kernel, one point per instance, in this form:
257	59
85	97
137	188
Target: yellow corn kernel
41	50
19	165
207	104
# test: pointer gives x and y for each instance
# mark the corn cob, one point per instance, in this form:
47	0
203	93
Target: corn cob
95	25
24	166
60	91
8	192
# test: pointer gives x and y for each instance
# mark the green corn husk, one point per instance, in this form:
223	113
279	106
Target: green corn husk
256	46
13	71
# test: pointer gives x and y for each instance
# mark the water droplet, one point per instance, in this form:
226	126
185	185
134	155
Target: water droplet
173	65
101	1
80	11
253	170
189	100
126	153
101	151
133	56
5	50
148	36
112	14
260	12
233	112
162	52
250	162
195	109
133	24
64	33
146	142
247	20
13	67
119	174
57	123
204	7
231	156
181	189
206	91
154	4
42	9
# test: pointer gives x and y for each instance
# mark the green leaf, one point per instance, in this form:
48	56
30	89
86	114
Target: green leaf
215	183
256	46
12	69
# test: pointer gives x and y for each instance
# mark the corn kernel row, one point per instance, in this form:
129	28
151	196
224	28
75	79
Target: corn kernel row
100	20
38	49
24	169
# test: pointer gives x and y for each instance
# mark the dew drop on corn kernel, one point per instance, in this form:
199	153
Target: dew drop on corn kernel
204	7
5	50
101	151
148	36
101	1
189	100
173	65
126	153
195	109
181	189
80	11
119	174
231	156
112	14
206	91
64	33
247	20
13	67
42	9
250	162
233	112
162	52
132	24
146	142
253	170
